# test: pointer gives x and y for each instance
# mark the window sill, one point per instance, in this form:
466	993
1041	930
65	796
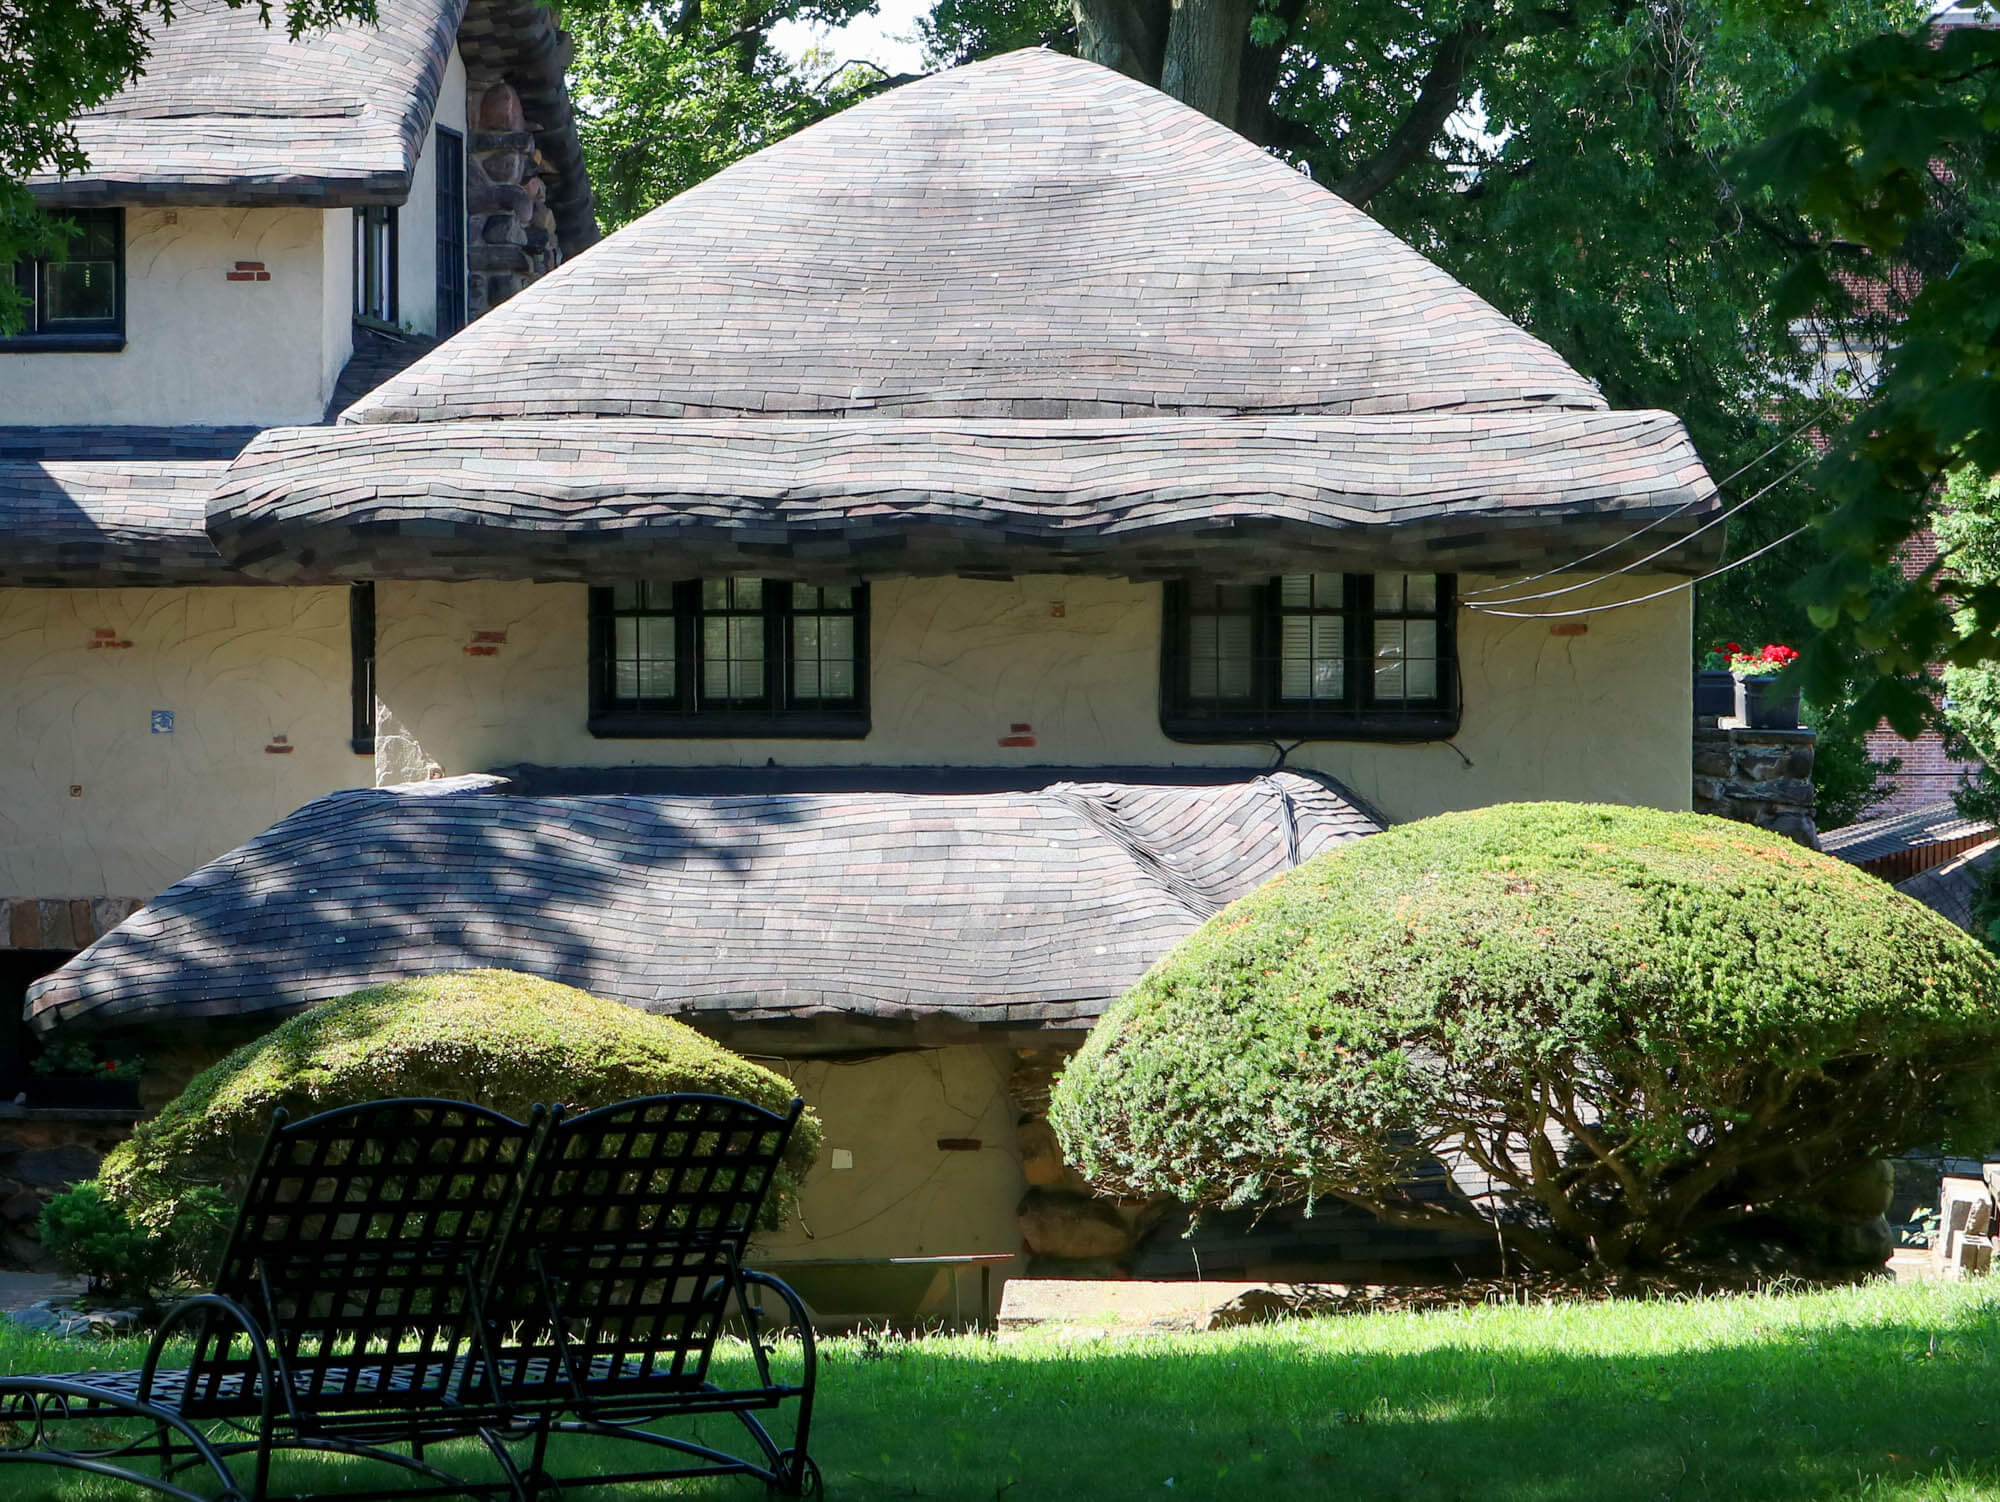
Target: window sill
818	727
62	344
1216	730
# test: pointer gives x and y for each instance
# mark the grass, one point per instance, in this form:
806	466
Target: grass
1879	1393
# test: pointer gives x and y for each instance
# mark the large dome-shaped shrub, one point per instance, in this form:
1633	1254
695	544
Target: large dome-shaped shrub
501	1039
1641	1026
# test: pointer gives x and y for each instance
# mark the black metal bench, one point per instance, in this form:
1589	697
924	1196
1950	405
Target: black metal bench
411	1272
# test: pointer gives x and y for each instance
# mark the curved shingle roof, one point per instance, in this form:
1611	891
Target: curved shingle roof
1032	236
1033	906
605	499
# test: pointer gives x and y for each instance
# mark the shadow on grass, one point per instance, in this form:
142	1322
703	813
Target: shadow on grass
1877	1394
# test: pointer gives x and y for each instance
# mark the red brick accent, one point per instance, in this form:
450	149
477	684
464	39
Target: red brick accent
1017	740
1020	729
482	651
249	265
492	636
239	276
1570	628
281	745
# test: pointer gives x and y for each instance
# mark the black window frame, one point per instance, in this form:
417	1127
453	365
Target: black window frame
365	216
361	668
100	336
451	232
780	714
1266	715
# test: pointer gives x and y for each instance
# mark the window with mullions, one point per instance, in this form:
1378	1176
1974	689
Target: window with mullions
1346	656
375	264
735	656
74	300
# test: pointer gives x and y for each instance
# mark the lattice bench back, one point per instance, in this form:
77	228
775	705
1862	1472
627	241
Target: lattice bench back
631	1230
363	1234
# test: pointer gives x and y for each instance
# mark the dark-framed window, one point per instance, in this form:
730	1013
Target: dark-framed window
75	299
1336	656
729	657
361	667
375	264
450	232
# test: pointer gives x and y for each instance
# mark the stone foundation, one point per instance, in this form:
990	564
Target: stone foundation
1067	1230
61	922
1760	777
42	1153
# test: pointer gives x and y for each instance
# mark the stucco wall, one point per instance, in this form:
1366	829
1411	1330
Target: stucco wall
1604	714
199	348
81	672
903	1196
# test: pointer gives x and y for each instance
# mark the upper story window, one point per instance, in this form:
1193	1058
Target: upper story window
375	264
75	300
1343	656
450	232
729	657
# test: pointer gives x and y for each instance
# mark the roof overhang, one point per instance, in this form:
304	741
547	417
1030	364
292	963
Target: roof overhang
601	499
1023	907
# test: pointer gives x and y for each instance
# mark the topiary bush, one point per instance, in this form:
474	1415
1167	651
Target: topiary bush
1643	1028
494	1037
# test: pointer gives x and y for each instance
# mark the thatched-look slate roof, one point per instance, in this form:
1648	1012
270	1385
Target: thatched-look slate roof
1027	314
233	111
1027	908
112	506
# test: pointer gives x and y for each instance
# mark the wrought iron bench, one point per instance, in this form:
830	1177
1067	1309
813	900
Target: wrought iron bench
407	1273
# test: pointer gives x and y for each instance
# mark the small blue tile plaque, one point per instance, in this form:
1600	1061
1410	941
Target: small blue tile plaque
163	722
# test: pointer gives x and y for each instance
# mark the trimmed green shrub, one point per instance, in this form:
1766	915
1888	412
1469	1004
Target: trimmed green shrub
91	1238
494	1037
1643	1027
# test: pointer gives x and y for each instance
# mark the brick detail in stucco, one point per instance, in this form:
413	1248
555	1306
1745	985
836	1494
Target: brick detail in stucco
61	922
1760	777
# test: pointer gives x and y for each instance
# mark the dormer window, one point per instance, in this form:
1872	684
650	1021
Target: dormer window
76	297
729	657
375	265
1312	656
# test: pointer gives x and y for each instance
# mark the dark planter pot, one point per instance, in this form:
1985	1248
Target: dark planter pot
55	1093
1760	709
1714	693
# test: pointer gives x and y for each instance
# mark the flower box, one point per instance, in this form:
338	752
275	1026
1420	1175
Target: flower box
84	1093
1761	709
1714	693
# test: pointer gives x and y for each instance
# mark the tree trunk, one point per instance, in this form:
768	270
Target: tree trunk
1127	35
1204	62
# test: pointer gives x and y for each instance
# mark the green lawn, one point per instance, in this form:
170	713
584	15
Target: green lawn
1884	1392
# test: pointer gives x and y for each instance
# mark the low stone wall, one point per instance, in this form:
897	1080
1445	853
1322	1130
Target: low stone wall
1760	777
61	922
42	1153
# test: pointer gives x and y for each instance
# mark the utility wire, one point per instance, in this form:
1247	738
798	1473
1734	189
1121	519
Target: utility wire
1493	589
1536	615
1678	542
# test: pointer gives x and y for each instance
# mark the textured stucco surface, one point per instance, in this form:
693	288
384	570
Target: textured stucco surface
258	346
237	667
904	1197
957	663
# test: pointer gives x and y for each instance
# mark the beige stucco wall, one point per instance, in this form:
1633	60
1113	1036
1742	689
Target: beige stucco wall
903	1196
256	346
957	663
80	673
336	296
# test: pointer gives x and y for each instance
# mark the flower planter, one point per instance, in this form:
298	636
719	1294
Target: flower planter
1761	709
1714	693
55	1092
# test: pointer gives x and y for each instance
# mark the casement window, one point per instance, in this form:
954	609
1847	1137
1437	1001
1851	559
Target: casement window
450	232
76	299
1340	656
375	264
729	657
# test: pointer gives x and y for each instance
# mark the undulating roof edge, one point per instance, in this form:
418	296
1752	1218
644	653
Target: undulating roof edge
1025	909
602	499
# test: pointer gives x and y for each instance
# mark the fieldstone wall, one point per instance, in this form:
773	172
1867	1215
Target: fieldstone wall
42	1153
1760	777
511	230
61	922
1069	1232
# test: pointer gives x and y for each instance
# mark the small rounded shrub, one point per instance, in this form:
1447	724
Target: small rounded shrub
494	1037
1639	1028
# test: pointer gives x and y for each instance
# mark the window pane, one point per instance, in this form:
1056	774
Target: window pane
81	291
1312	657
838	597
733	658
1219	664
822	657
746	594
1420	592
656	656
715	594
1406	660
625	658
625	596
